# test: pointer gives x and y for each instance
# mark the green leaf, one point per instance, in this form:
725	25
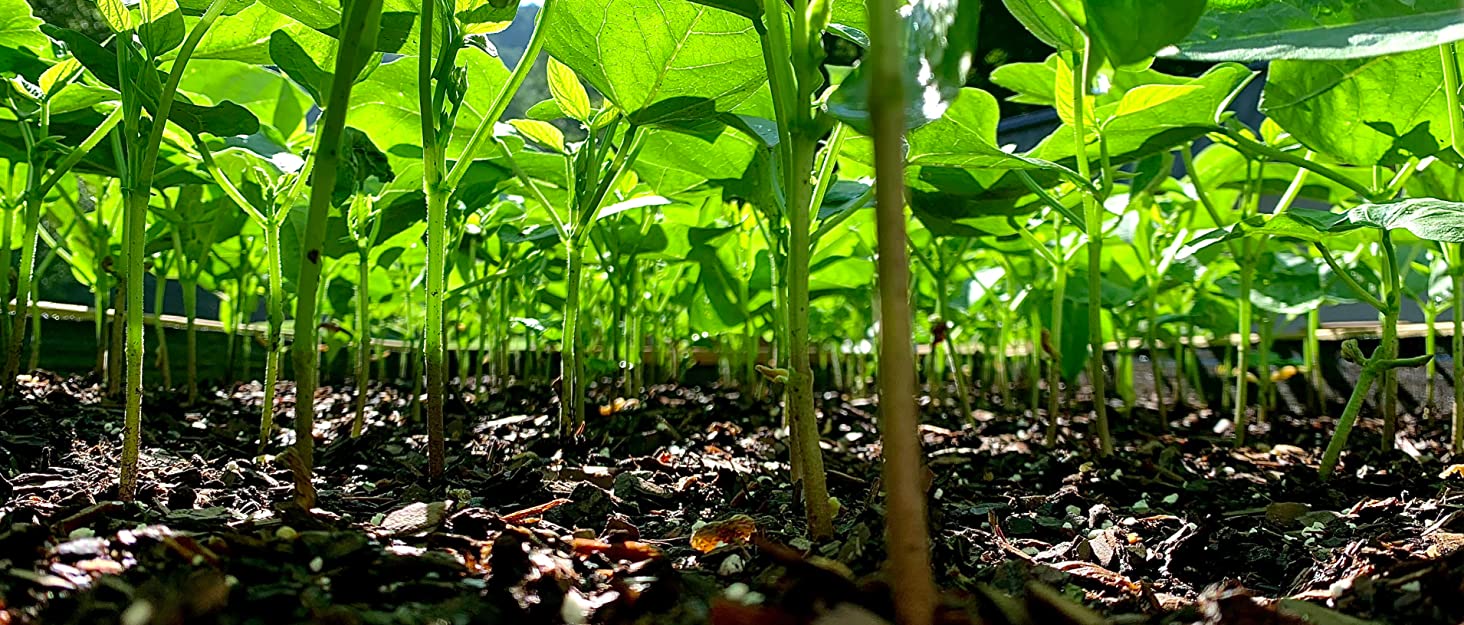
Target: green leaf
246	36
940	43
222	120
19	28
485	17
567	91
664	61
1160	128
1046	22
300	65
542	133
163	30
1427	218
386	105
51	79
1150	96
1376	111
271	97
116	14
1130	31
966	137
1268	30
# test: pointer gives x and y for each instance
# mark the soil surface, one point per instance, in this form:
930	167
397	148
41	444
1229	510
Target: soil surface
677	508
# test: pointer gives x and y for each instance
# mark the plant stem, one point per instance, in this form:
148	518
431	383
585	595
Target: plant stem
1093	216
1457	351
1389	345
363	338
1055	368
138	194
276	309
571	406
906	529
1347	420
437	191
360	24
1430	347
1314	360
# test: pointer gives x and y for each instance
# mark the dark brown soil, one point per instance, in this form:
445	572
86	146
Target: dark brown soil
1174	528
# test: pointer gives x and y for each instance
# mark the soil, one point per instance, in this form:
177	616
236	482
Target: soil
677	508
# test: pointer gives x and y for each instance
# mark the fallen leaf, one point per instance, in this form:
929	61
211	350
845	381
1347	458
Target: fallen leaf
736	530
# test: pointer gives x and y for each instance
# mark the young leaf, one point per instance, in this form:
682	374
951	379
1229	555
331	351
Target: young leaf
51	79
1063	92
567	91
1268	30
1150	96
542	133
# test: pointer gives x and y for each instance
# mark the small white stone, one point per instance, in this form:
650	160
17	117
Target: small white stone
731	566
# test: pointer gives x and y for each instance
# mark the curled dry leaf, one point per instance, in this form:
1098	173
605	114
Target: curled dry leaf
736	530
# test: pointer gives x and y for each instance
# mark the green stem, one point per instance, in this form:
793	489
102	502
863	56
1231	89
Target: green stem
571	404
1266	152
1314	360
1347	420
437	190
360	25
1389	345
1093	215
276	308
484	131
1457	278
1430	347
138	194
363	338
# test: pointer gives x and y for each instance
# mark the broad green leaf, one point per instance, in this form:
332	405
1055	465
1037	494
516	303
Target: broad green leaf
246	36
398	20
19	28
966	137
674	163
1269	30
939	40
1375	111
542	133
1046	22
1427	218
664	61
1130	31
567	91
386	105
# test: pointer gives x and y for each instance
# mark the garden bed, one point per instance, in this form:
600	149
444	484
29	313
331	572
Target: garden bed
1176	528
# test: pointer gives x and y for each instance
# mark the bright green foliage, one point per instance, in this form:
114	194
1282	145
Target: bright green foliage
1368	111
1268	30
676	61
